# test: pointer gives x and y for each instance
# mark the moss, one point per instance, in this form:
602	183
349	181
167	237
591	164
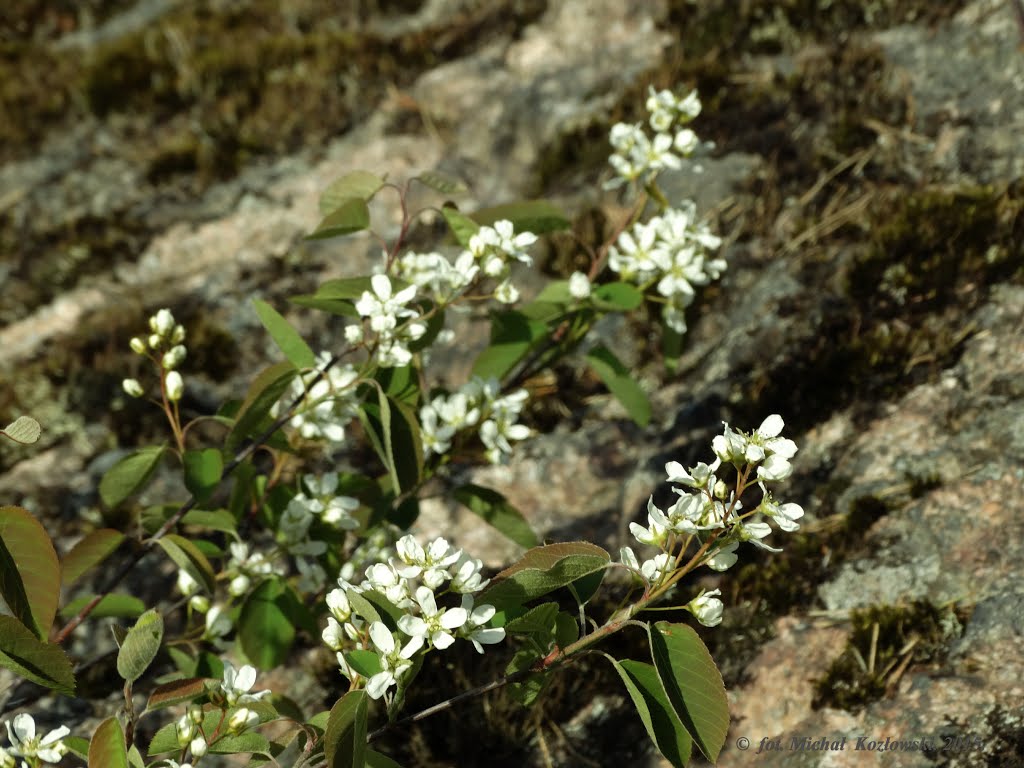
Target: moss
884	640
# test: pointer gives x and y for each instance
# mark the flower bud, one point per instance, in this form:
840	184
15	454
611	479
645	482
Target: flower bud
184	729
173	357
162	323
242	719
199	603
133	388
198	746
579	286
138	345
175	386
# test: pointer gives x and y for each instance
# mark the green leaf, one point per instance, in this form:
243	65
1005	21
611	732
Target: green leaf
617	378
345	737
42	663
446	185
115	605
285	336
263	393
351	215
496	510
539	620
203	472
29	570
91	550
176	692
537	216
462	226
512	336
215	520
621	297
378	760
24	430
358	184
107	748
129	475
544	569
265	628
366	663
693	684
141	646
243	743
660	720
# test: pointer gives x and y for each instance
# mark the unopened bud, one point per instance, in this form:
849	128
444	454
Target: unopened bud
133	388
173	357
175	386
138	345
198	746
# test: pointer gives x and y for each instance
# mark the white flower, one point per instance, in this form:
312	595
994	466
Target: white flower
24	742
433	625
236	685
707	608
175	386
394	662
579	286
382	307
475	630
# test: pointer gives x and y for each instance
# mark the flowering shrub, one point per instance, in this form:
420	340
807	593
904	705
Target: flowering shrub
266	550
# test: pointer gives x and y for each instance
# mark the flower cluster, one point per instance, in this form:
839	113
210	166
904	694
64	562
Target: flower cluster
638	158
479	402
411	582
329	401
21	731
164	346
671	251
711	514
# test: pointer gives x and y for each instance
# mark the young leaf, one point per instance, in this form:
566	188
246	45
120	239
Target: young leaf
115	605
186	555
462	226
141	646
544	569
512	336
285	336
660	720
176	692
24	430
29	570
265	628
203	472
107	748
91	550
537	216
129	475
26	655
351	215
693	684
439	182
359	184
345	737
617	378
496	510
263	393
